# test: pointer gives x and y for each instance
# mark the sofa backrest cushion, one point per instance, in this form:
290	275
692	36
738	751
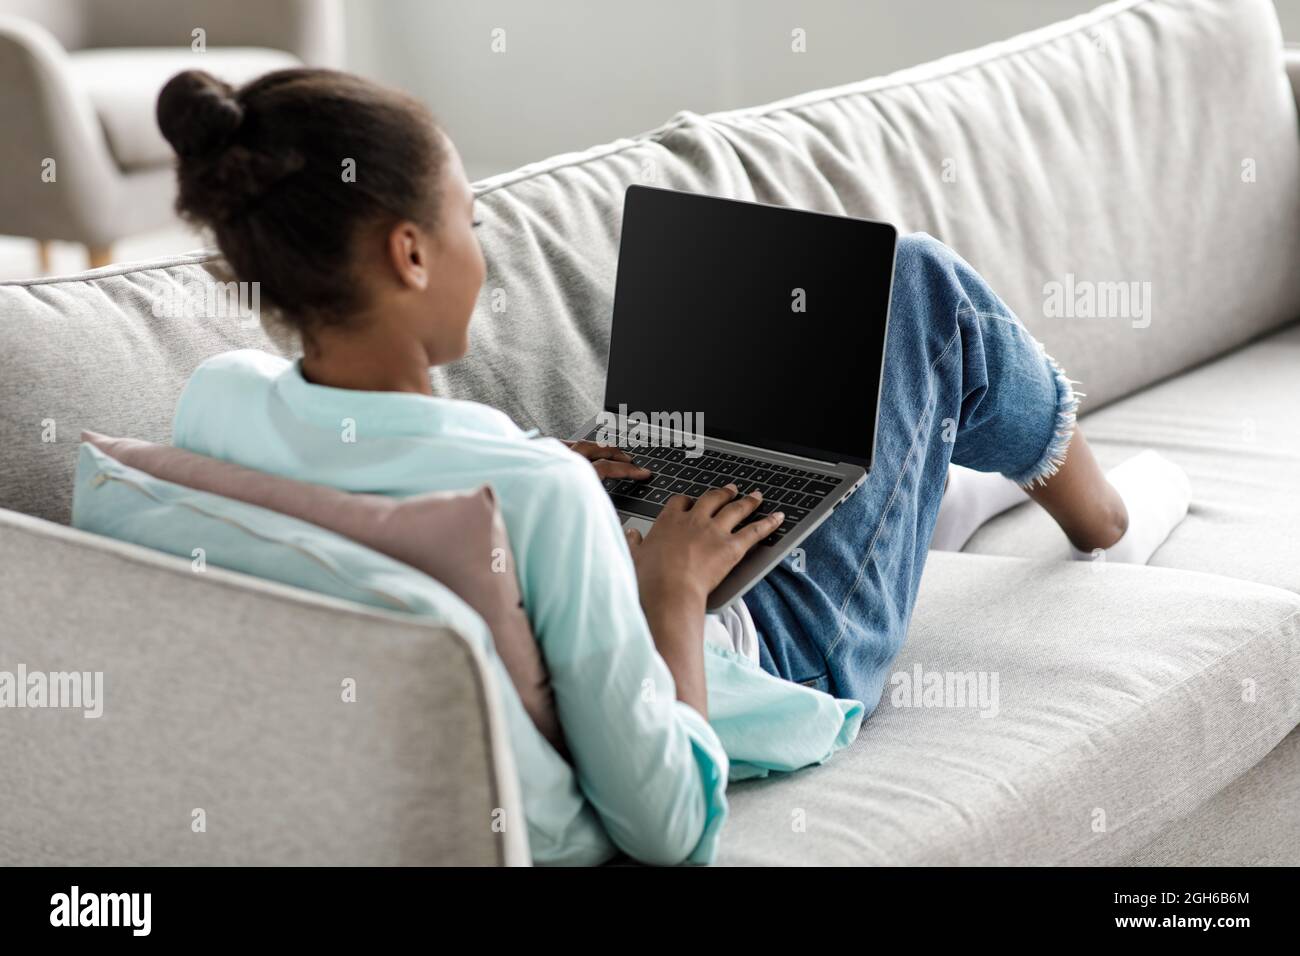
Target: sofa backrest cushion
107	351
1148	149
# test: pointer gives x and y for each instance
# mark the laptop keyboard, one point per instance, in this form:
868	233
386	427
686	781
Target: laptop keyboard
795	491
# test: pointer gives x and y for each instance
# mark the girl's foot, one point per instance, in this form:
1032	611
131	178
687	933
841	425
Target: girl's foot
1156	494
970	499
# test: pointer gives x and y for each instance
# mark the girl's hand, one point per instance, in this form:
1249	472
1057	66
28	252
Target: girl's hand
692	547
685	555
609	462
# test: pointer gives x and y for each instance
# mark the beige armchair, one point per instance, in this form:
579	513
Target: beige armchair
82	158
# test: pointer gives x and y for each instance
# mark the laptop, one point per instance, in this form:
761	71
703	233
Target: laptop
746	347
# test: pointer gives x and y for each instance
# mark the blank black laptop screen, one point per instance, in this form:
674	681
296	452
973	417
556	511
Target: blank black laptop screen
768	321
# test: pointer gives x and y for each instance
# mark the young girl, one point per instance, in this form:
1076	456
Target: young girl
379	274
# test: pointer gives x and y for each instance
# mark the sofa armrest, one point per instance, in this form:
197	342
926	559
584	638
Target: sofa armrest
223	701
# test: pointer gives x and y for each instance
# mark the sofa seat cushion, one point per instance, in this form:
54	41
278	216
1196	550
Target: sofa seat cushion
1233	425
123	85
1253	822
1125	699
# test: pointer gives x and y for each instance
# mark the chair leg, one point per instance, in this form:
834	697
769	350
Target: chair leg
43	256
100	255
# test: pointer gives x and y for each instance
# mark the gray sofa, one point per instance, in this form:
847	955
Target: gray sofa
1144	715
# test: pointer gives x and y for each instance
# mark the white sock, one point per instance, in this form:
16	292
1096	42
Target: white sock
1156	493
970	499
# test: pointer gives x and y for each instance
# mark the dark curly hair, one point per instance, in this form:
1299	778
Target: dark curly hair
263	167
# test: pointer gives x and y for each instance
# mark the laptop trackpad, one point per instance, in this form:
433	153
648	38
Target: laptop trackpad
640	524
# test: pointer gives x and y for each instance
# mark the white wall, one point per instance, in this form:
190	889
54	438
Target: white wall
579	72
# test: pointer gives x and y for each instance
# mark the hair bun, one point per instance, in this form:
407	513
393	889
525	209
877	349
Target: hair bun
234	180
218	175
198	113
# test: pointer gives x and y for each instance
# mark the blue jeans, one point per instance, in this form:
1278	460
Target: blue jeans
963	382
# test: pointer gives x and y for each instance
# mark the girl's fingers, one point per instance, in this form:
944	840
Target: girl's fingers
677	503
621	469
594	451
713	500
756	531
740	509
633	538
